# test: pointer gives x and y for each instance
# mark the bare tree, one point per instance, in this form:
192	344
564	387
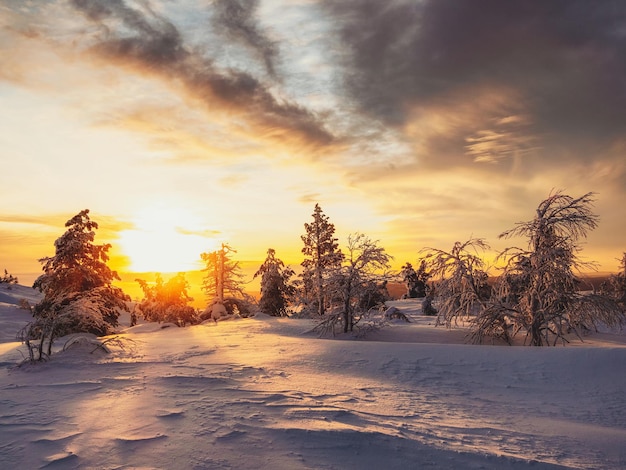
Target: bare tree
538	290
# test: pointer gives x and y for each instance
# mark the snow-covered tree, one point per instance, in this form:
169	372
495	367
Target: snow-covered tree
8	279
615	286
415	281
364	258
167	301
276	288
350	286
322	256
538	290
460	279
76	283
223	284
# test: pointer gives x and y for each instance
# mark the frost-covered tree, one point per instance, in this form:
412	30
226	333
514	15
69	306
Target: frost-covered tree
167	301
322	256
77	289
364	258
351	286
460	278
538	290
223	284
276	286
615	286
8	279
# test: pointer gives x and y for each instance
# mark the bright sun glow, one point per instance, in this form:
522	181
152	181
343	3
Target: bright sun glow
166	239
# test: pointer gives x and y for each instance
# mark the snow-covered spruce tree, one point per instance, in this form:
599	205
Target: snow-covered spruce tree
276	288
167	302
223	285
415	281
538	290
322	256
460	280
76	283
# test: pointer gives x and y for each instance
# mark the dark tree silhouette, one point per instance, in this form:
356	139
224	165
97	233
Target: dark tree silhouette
415	281
276	288
8	279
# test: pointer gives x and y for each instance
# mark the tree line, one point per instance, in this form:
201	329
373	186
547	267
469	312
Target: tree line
536	293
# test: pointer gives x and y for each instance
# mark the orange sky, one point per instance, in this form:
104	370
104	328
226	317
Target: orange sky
419	124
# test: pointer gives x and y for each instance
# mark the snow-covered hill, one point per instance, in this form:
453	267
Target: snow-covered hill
259	394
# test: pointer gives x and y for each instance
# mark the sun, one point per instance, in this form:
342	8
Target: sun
166	239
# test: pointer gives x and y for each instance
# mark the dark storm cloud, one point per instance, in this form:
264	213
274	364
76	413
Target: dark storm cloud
237	20
565	59
148	41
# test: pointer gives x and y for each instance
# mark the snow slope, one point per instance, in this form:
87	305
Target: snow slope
259	394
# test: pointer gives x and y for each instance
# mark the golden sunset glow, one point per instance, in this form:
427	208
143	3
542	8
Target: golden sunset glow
185	125
165	239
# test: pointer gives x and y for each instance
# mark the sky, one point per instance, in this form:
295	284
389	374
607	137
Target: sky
185	124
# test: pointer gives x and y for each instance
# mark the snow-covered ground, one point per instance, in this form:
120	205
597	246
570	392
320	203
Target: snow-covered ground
259	393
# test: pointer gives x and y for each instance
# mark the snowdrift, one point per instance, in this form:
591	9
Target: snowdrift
257	393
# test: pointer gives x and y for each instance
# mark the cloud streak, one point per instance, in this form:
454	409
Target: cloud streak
151	43
237	20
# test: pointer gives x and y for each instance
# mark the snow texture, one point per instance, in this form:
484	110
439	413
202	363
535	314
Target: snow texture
257	393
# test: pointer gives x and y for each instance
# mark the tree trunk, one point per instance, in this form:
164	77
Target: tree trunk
537	321
220	277
320	294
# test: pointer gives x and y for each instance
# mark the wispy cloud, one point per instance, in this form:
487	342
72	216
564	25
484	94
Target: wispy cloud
143	39
237	20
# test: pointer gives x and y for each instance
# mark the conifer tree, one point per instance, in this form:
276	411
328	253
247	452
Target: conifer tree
415	281
276	288
223	284
77	289
223	274
322	255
